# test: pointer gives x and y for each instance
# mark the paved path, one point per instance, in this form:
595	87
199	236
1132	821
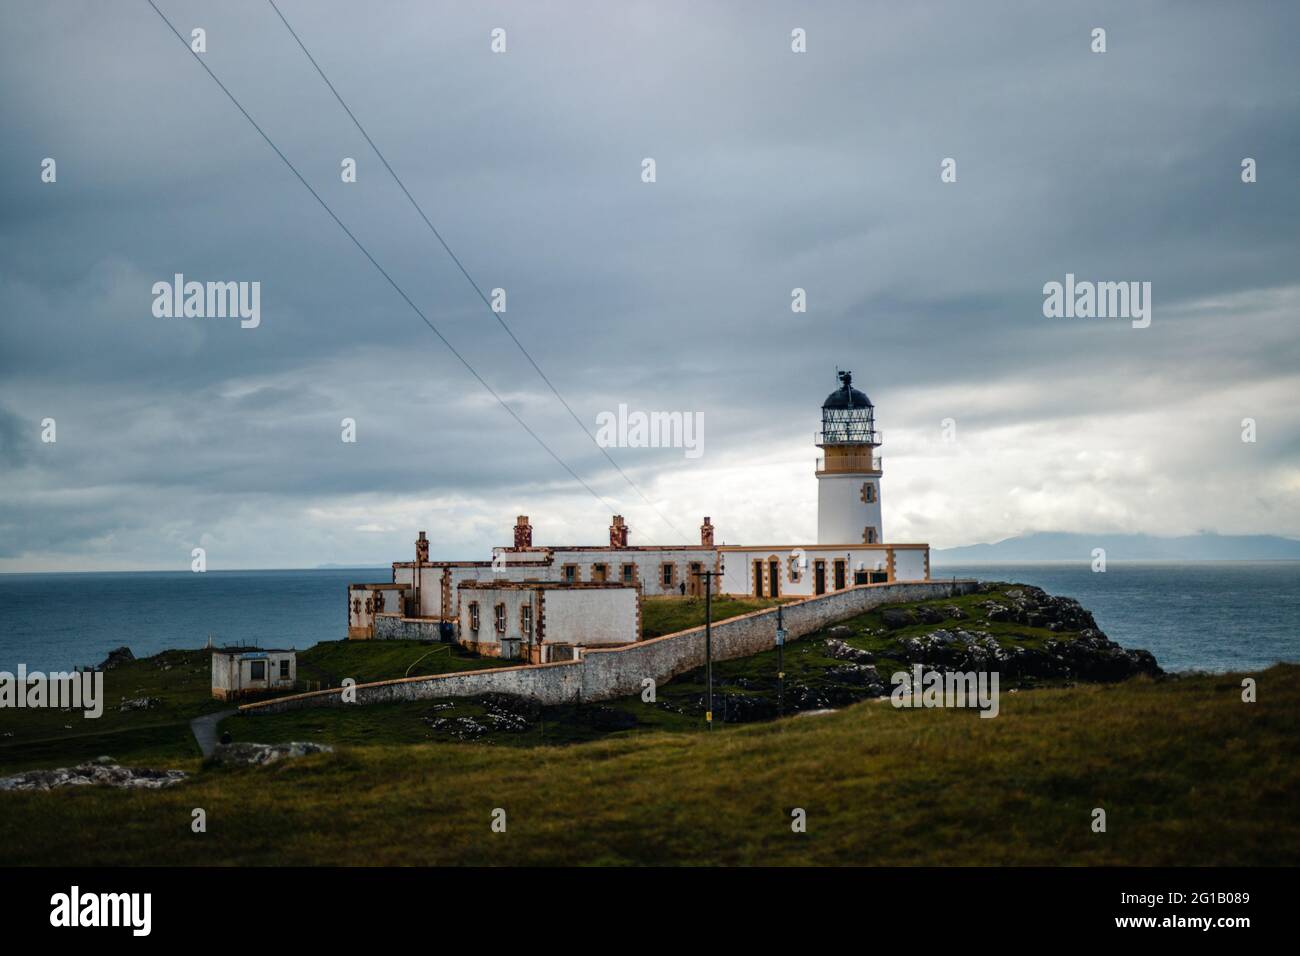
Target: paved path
205	729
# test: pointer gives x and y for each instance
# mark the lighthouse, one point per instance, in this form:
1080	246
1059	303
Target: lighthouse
848	473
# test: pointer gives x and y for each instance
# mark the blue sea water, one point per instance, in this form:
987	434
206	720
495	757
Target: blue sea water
50	621
1192	616
1198	615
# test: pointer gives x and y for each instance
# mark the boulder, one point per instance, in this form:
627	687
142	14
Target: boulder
929	615
98	773
257	755
857	675
140	703
847	652
896	617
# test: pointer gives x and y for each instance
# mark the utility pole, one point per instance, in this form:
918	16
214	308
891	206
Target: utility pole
708	643
780	663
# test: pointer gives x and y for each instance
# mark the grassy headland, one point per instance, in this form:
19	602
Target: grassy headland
1187	773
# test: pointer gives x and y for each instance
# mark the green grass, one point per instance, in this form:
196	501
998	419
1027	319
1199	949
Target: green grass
667	615
1187	773
364	661
181	680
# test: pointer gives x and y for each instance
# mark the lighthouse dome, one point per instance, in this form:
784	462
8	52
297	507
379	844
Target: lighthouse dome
846	396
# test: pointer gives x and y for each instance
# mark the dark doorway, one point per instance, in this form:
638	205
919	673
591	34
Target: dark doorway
819	577
774	573
758	579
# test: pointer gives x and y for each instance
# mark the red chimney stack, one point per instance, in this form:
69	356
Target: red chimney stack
706	533
618	533
523	532
422	549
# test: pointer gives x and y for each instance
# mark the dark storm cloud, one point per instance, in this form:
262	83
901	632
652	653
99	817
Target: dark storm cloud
775	171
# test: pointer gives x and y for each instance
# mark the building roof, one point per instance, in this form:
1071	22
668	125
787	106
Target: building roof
846	396
252	650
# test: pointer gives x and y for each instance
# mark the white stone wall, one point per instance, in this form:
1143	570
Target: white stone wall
572	616
488	599
591	616
910	564
359	618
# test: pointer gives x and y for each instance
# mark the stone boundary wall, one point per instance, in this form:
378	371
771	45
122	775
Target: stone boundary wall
604	673
394	627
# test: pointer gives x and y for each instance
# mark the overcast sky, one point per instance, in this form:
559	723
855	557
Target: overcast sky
775	170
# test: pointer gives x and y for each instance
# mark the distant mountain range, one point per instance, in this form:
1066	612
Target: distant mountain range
1065	546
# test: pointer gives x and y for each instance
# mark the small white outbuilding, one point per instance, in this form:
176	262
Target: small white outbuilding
241	671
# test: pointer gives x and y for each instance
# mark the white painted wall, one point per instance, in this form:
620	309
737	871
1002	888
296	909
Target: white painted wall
909	564
573	616
591	616
841	513
488	599
798	567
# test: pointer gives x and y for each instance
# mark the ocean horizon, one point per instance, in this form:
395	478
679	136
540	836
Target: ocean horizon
1196	615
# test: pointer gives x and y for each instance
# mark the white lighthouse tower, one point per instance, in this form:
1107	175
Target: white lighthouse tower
848	473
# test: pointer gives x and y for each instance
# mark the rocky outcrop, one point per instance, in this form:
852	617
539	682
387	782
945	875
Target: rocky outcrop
1090	657
842	651
103	772
1034	607
1086	654
258	755
116	658
502	712
140	703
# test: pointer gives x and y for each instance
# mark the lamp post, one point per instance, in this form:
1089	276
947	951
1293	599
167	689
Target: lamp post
708	643
780	664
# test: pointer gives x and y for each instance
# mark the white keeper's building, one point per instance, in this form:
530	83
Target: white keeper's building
499	607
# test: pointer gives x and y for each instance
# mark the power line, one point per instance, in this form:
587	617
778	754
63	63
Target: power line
382	271
465	272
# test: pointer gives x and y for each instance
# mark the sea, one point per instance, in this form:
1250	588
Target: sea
1206	616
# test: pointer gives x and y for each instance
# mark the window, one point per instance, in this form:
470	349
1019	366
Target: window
629	573
501	618
869	492
284	669
599	571
570	573
667	574
473	616
869	536
526	620
860	577
257	670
